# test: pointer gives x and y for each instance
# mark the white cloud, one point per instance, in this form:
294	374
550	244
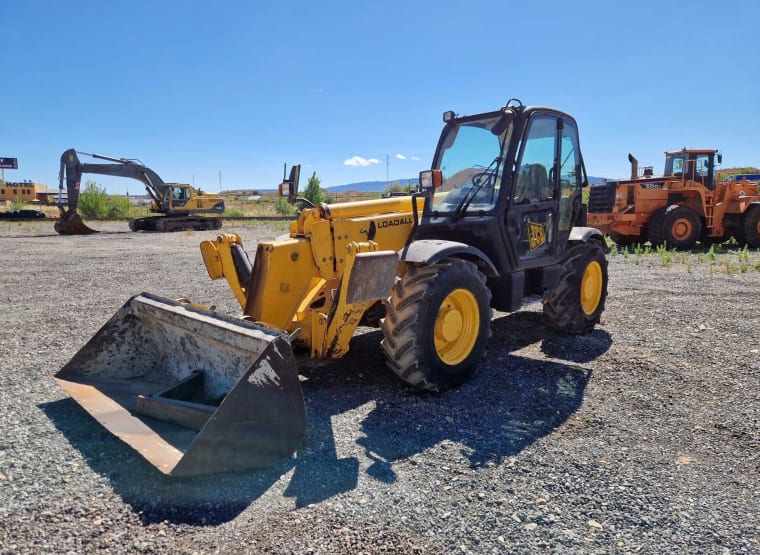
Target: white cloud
400	156
358	161
415	158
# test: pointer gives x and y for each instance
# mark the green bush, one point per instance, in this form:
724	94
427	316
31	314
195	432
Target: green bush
17	203
282	207
118	207
314	192
94	202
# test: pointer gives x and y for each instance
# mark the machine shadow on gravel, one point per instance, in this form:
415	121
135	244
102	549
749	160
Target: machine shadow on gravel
209	499
511	402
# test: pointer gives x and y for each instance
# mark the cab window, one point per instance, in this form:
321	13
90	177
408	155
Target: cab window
538	153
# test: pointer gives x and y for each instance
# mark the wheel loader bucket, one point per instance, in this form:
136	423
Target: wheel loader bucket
71	224
192	391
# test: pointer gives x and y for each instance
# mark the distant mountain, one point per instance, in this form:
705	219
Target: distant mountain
371	186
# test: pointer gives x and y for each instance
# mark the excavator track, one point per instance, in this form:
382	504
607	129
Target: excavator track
168	224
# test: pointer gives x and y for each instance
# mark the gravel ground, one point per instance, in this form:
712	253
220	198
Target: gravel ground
641	437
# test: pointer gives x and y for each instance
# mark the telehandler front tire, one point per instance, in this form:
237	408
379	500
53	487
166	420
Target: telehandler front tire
575	304
437	324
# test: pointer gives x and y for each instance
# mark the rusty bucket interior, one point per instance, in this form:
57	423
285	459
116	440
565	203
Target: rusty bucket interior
71	223
192	391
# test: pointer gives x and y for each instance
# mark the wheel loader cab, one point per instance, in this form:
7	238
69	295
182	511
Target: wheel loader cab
692	165
511	186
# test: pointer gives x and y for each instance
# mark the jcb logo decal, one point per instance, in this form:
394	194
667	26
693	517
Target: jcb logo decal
536	235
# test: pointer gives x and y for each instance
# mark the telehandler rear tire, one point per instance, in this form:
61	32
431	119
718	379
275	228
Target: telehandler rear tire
437	324
575	304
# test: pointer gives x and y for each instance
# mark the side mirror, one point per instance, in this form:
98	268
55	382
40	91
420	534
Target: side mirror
289	187
720	158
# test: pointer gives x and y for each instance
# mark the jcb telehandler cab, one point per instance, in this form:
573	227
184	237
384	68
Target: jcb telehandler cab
494	221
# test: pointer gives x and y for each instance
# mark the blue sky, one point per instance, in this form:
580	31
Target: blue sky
197	88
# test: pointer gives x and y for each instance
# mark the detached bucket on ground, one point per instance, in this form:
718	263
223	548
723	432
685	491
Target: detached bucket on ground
192	391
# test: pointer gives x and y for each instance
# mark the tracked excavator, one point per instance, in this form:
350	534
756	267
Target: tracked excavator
180	207
496	222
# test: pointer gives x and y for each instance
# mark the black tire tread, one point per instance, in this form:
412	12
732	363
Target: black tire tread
749	225
656	228
562	304
672	213
403	326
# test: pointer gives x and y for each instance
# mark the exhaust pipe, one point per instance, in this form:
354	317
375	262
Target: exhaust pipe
192	391
634	166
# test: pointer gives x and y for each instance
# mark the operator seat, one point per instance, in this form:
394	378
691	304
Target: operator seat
532	184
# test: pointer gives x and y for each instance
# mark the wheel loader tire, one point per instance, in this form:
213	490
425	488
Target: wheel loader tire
575	304
682	227
750	227
437	324
675	226
656	228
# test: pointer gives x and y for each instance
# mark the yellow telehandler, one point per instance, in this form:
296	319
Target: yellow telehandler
497	219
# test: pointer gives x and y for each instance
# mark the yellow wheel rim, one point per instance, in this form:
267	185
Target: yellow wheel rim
456	326
591	288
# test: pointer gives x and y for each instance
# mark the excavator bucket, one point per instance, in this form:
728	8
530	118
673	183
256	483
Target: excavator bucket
192	391
71	224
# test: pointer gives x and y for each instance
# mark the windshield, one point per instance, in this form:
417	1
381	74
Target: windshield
674	165
694	165
471	163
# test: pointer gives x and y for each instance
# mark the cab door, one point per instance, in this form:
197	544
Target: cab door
532	217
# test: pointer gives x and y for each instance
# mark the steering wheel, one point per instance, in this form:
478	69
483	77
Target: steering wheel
485	183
